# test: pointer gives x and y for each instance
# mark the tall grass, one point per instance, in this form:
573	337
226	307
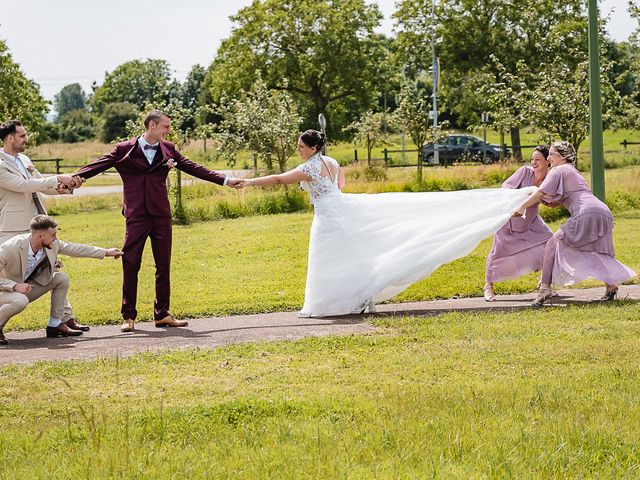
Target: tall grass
204	201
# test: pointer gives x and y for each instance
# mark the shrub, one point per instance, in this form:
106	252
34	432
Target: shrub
114	120
368	174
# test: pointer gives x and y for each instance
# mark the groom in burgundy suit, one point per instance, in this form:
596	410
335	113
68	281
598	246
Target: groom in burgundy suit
144	163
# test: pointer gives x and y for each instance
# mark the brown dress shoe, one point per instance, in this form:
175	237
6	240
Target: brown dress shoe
73	324
62	331
169	321
3	339
127	326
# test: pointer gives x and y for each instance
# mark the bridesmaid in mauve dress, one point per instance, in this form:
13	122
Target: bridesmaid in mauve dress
518	247
582	247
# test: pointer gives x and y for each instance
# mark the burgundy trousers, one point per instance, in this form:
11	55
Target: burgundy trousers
139	228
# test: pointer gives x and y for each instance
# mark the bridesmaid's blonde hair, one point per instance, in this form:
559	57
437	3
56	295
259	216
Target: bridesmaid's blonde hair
566	151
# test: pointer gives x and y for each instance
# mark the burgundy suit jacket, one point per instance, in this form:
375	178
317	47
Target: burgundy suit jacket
145	186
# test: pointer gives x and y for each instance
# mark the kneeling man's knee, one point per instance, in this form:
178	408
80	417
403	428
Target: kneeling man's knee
61	279
16	302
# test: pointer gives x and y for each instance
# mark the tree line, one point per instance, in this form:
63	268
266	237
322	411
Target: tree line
523	62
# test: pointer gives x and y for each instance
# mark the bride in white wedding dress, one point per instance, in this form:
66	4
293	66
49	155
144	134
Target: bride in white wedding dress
367	248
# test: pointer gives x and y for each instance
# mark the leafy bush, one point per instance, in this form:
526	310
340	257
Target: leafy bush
497	177
368	174
549	214
114	120
76	126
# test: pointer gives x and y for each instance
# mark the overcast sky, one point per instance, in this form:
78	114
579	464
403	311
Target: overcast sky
67	41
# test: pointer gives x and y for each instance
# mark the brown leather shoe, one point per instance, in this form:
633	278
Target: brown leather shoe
169	321
127	326
73	324
3	339
62	331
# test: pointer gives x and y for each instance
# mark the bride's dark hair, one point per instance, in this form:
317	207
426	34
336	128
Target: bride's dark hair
314	139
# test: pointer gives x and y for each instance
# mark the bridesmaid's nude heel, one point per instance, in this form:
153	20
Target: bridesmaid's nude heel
544	294
610	293
487	290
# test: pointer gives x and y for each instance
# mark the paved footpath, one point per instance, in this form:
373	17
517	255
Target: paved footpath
108	341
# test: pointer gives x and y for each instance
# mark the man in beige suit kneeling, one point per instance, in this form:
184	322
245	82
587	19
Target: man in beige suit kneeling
27	271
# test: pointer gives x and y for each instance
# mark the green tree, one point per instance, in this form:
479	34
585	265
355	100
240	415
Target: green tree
114	120
138	83
469	32
630	118
412	114
71	97
76	126
192	86
323	52
559	106
265	122
368	131
505	98
20	97
190	95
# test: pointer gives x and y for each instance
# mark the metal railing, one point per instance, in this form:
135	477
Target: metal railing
625	142
59	165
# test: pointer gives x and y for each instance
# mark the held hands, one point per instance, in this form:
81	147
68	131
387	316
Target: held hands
69	182
245	182
518	213
116	253
236	183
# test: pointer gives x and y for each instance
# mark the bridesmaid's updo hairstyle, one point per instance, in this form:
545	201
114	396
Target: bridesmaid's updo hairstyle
314	139
566	151
543	149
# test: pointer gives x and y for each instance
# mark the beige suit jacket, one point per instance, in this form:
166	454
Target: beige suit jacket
16	199
13	259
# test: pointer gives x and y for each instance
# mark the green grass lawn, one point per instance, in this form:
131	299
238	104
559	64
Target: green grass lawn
247	265
542	394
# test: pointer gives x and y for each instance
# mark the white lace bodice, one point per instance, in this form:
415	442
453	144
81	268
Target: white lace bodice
320	185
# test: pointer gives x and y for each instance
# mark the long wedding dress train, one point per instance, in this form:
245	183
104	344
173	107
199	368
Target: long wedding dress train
370	247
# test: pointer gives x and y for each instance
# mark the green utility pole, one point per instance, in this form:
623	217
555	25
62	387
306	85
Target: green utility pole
597	149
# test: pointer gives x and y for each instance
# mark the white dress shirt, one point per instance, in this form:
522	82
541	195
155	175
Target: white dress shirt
18	163
149	152
33	259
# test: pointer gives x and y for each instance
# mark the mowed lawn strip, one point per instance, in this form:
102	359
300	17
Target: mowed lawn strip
532	394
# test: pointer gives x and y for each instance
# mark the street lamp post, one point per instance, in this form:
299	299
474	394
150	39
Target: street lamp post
595	118
436	74
322	121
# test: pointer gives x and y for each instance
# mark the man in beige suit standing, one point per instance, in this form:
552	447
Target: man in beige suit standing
21	185
27	271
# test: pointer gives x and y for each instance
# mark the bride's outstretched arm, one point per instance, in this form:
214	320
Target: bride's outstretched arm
341	180
533	199
286	178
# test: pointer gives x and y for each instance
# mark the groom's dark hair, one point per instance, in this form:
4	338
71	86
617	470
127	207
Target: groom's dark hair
154	116
9	127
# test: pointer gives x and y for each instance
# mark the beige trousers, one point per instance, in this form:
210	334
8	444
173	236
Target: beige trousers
12	303
68	311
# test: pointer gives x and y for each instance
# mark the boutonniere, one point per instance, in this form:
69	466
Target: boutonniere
171	162
31	168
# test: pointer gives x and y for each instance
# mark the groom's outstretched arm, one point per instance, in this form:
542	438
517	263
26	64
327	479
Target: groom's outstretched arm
102	164
197	170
